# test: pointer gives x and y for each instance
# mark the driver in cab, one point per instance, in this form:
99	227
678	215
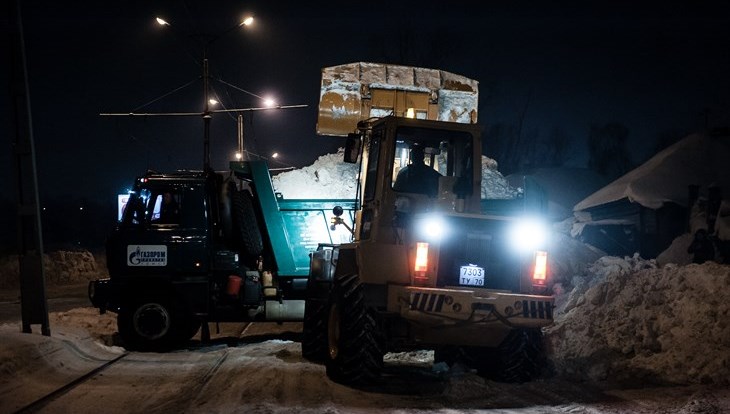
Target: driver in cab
417	177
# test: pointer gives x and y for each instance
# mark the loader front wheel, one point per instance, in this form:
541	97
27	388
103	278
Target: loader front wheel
355	353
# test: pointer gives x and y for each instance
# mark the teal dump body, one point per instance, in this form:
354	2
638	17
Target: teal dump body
295	226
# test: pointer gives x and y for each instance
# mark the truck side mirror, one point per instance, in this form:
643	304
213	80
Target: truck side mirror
352	148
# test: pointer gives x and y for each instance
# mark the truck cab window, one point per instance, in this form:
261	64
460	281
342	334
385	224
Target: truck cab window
166	208
152	207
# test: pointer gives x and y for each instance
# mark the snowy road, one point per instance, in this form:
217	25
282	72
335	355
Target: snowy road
259	369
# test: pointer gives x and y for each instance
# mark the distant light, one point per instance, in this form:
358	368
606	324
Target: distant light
81	208
411	113
212	101
239	156
247	21
162	22
269	103
275	155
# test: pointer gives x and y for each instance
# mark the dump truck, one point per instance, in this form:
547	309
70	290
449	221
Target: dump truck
431	265
232	250
404	263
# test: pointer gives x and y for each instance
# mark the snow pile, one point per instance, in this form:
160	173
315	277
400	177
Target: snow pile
629	320
677	253
329	177
494	185
60	267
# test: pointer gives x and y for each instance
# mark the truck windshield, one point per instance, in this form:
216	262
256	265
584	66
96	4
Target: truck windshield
152	207
423	155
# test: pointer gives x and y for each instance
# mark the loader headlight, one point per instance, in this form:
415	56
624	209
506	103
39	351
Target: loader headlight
432	228
528	234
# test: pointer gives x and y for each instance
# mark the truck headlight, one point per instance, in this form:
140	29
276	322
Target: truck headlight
528	234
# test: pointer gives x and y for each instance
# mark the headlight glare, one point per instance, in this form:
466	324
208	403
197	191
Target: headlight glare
528	234
432	228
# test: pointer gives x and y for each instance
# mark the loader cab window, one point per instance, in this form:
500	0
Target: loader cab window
371	176
423	156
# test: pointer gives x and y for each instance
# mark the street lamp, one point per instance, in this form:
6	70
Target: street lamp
247	21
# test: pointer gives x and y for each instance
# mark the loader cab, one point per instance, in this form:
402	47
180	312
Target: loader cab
164	228
416	166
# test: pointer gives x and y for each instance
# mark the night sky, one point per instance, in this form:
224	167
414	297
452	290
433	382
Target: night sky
655	68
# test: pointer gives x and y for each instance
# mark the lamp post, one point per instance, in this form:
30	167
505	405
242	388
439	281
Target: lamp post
206	84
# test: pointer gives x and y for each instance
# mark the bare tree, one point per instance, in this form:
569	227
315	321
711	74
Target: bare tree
552	151
607	151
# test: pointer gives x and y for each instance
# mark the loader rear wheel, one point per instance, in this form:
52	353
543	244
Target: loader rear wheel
314	332
522	356
246	228
519	358
355	353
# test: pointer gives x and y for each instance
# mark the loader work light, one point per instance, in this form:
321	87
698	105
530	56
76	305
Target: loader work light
432	227
528	234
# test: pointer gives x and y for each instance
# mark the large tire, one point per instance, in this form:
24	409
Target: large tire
228	189
153	323
246	228
519	358
314	332
355	353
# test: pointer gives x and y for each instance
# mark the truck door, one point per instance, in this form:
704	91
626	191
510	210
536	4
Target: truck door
164	232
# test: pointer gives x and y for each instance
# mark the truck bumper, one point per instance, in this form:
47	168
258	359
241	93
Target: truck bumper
468	316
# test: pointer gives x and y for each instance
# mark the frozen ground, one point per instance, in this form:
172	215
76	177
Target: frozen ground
629	337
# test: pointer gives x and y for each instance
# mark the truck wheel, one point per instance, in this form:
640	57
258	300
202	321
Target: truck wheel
314	332
153	324
248	235
355	353
228	189
519	358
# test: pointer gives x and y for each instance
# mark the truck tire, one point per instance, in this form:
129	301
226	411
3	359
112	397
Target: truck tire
246	228
228	189
154	323
314	331
355	353
519	358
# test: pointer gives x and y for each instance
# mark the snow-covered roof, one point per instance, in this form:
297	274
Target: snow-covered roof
698	159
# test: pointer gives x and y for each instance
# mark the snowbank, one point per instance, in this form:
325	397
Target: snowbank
331	178
629	320
61	267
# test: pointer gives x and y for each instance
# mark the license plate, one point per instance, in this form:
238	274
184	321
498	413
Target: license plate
471	275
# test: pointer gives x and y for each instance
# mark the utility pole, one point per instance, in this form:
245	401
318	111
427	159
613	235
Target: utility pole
33	303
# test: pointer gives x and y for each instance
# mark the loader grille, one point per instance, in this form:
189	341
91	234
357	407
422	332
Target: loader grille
537	309
427	302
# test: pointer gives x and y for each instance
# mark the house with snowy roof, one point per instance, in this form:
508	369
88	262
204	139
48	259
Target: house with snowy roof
645	209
